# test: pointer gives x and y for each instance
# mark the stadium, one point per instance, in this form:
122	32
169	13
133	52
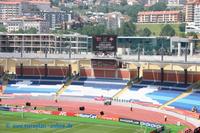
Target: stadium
55	84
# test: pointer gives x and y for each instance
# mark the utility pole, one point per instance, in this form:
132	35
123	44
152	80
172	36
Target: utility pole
138	52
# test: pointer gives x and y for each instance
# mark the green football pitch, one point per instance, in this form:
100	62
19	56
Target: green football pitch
12	122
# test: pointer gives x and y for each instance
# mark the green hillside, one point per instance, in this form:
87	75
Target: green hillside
156	28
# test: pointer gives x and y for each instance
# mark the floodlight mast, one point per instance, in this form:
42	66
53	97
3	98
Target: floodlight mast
186	49
138	52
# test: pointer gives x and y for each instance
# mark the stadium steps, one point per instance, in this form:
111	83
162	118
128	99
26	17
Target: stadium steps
63	88
184	94
127	87
4	84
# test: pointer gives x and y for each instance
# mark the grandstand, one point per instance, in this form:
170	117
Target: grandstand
37	80
94	87
34	84
108	78
159	84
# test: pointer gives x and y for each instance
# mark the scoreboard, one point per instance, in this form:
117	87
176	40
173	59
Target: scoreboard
104	43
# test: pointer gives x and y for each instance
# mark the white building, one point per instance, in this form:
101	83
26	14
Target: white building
26	23
194	26
114	20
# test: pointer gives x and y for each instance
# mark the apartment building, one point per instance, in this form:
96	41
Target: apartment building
189	10
159	17
25	23
9	9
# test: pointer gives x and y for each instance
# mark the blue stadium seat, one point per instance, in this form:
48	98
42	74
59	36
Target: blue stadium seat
167	85
34	84
103	80
188	102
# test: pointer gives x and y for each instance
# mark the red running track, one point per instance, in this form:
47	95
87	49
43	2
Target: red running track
94	108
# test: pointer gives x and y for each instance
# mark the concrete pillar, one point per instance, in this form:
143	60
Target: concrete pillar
70	70
185	73
179	49
138	73
116	73
6	65
45	70
21	69
191	48
161	74
78	66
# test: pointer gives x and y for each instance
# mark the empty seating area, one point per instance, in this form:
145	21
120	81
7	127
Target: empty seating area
149	94
160	93
95	87
167	85
39	80
188	102
103	80
34	84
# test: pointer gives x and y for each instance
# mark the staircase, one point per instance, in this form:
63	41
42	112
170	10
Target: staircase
63	88
127	87
184	94
5	78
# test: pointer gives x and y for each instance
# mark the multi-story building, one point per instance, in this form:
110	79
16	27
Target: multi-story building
40	43
159	17
9	9
39	8
193	16
61	44
152	2
115	20
195	25
25	23
53	18
189	10
197	15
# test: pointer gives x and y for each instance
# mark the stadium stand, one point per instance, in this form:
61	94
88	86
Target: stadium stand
167	85
95	87
34	84
153	92
188	102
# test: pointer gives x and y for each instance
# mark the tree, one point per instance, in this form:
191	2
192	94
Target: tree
128	29
193	34
182	27
3	28
160	6
29	31
132	11
92	30
20	31
110	32
124	2
167	30
145	32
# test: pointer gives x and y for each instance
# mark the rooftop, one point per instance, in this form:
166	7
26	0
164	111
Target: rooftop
158	12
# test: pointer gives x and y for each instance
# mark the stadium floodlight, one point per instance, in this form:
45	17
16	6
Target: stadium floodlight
139	50
162	47
22	46
186	51
162	50
46	51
